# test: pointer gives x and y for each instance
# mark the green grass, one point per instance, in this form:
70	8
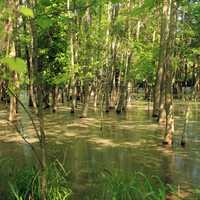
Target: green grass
135	186
25	185
108	186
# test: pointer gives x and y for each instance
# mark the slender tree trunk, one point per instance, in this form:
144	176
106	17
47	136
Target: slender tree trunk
123	96
73	82
108	60
160	69
67	88
87	93
14	51
13	100
96	90
29	59
162	113
168	139
55	93
73	96
138	30
46	97
121	100
62	95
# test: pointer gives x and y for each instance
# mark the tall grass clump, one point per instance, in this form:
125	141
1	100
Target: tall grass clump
107	186
136	186
25	184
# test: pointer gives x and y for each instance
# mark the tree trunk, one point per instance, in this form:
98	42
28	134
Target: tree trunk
13	99
123	95
108	58
54	98
162	53
29	59
73	96
73	81
162	113
87	92
15	51
168	139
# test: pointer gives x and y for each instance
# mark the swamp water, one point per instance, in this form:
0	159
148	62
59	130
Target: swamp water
126	143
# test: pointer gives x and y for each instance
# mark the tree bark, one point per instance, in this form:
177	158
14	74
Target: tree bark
162	53
87	93
55	93
123	95
168	138
13	99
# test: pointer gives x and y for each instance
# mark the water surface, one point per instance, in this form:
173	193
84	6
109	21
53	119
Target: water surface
129	142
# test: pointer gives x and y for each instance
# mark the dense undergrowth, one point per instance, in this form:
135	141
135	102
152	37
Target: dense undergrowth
137	186
109	186
25	184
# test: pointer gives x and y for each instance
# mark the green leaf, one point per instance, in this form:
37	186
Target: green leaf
15	64
44	22
149	4
115	1
26	11
60	79
196	51
143	9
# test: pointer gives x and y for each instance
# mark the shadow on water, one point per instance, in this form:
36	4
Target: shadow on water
130	142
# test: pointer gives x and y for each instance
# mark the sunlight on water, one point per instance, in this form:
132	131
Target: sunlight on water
130	142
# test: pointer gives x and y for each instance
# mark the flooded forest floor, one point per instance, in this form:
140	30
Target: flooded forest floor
127	143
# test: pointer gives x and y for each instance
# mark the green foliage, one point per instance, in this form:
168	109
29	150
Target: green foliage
144	66
137	186
117	185
26	184
143	9
60	79
15	64
26	11
196	51
44	22
93	27
115	1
